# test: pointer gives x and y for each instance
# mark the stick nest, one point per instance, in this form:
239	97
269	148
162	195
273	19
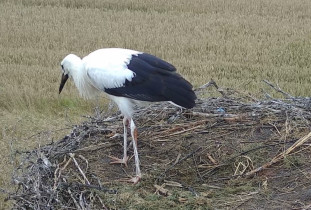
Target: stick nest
221	142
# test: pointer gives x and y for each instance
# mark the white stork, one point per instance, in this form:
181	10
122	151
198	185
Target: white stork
128	77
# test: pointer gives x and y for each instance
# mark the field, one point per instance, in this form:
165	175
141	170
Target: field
235	42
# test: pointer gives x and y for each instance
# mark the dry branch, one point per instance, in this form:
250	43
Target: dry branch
278	89
280	156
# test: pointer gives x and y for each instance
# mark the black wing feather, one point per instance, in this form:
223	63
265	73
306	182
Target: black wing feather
155	80
156	62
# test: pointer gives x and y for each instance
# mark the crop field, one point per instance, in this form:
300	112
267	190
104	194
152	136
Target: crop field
237	43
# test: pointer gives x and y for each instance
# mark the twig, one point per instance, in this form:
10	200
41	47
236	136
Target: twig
91	186
179	161
306	207
82	201
161	190
172	183
278	89
86	161
249	164
197	168
74	200
247	151
280	156
210	83
58	171
80	170
179	132
213	115
102	203
209	156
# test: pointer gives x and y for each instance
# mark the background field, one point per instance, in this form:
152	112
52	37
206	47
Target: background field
236	42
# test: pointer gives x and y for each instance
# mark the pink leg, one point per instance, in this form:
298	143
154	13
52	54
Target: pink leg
134	135
125	157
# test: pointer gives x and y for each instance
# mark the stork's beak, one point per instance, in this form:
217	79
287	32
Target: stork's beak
62	83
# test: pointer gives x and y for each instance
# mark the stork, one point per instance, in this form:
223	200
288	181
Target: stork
128	77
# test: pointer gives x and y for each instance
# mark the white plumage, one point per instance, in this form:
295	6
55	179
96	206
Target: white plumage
128	77
115	67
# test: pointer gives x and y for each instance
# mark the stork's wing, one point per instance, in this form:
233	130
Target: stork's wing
107	68
155	80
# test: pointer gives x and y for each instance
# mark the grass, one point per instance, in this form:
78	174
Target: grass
236	42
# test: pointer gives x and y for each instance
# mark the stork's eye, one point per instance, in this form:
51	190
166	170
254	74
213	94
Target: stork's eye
62	67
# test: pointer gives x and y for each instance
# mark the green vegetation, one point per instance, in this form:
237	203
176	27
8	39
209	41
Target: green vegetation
236	42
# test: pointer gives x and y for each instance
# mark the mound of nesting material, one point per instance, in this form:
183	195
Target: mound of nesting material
227	152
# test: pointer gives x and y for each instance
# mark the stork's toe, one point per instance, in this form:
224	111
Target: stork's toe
116	160
133	180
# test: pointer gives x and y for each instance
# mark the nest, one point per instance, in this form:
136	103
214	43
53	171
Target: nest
231	137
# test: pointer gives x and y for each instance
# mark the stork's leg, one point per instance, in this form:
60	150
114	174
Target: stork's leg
134	134
134	137
125	157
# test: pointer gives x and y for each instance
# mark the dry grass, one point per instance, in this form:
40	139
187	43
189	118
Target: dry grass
235	42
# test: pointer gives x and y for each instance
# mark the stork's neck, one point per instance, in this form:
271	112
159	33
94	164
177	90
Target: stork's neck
80	78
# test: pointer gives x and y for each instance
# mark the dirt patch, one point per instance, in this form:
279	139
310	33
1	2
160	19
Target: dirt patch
229	152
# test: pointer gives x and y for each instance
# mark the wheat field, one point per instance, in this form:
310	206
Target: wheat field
235	42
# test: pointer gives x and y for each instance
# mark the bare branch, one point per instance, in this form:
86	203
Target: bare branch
278	89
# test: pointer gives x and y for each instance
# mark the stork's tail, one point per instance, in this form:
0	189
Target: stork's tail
179	91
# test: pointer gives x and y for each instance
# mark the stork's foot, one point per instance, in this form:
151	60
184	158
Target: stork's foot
118	160
133	180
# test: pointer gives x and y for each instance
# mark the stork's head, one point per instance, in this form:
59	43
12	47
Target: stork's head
69	65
